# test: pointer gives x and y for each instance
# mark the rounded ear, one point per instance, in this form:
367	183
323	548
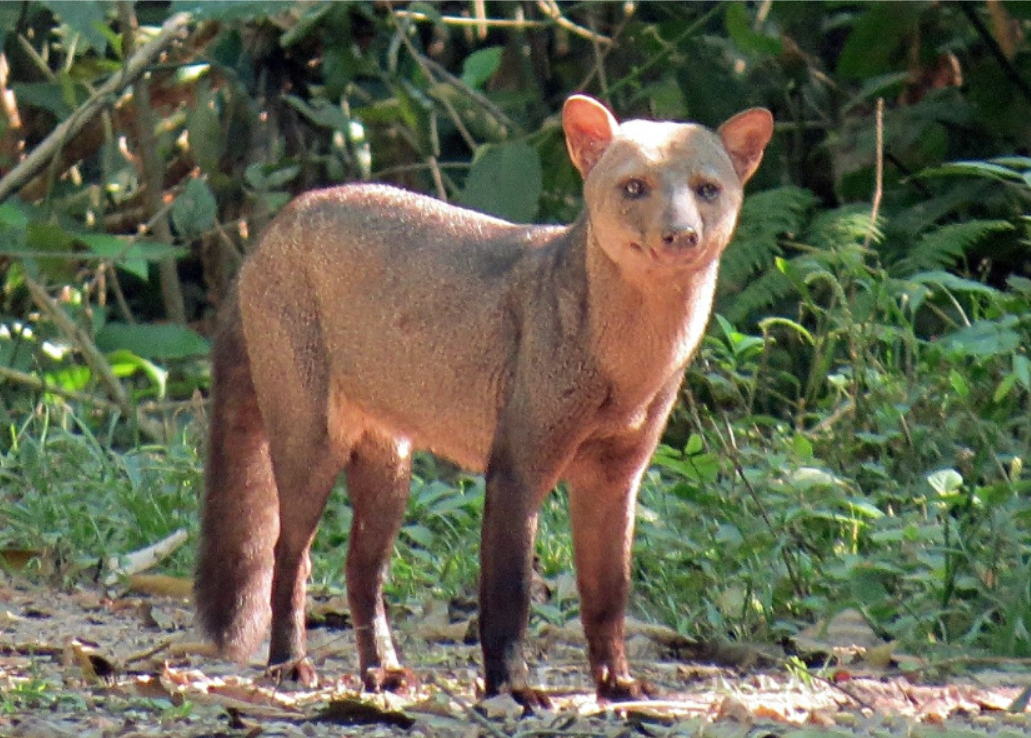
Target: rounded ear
589	128
744	137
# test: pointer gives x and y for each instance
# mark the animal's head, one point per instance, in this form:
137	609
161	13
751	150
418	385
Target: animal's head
663	195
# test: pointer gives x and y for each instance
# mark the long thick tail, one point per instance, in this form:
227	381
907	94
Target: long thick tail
240	512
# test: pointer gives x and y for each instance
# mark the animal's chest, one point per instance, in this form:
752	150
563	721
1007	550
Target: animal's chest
631	410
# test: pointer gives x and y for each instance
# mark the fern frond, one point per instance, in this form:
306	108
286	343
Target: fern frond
943	246
765	218
841	227
757	295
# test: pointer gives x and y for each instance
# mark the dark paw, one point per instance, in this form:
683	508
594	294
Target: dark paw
624	689
300	671
532	699
382	679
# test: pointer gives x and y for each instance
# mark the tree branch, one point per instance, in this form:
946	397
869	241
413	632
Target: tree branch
996	51
92	356
37	159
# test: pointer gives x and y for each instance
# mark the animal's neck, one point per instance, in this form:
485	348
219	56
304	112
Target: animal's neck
645	331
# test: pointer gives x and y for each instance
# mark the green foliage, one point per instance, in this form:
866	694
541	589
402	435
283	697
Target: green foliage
67	491
766	218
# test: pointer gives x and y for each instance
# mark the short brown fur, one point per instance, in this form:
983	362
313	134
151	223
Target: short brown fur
372	321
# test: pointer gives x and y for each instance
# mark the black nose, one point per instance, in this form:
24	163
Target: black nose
680	238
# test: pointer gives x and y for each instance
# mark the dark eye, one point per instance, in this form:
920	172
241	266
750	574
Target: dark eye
635	188
707	191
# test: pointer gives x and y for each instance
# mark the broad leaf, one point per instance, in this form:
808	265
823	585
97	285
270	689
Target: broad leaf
152	341
984	338
195	210
505	180
480	65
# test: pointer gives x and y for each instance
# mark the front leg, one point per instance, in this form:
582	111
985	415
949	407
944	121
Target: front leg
601	511
506	559
535	439
603	478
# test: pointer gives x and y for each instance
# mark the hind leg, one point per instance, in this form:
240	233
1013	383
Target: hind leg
378	484
305	479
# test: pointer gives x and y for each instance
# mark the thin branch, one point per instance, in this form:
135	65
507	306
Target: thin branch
878	192
601	54
40	385
426	63
457	20
116	288
677	44
37	159
599	61
786	556
550	8
94	359
970	11
92	356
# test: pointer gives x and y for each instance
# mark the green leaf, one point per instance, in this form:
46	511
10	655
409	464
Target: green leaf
152	341
307	23
864	508
480	65
204	129
876	44
73	378
321	112
419	534
505	180
133	257
230	10
984	338
265	177
46	95
12	214
195	210
945	481
959	384
83	18
126	364
942	246
954	283
739	27
1022	370
695	445
801	447
1005	387
984	169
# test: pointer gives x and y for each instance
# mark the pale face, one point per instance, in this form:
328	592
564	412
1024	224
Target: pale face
663	196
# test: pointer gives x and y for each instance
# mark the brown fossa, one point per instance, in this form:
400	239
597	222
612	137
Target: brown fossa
370	322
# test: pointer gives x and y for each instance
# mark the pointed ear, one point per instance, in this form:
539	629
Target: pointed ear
744	137
589	128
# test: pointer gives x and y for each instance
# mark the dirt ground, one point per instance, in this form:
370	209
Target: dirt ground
87	664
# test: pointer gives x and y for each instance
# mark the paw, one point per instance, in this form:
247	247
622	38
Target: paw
532	699
624	689
300	671
529	698
384	679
